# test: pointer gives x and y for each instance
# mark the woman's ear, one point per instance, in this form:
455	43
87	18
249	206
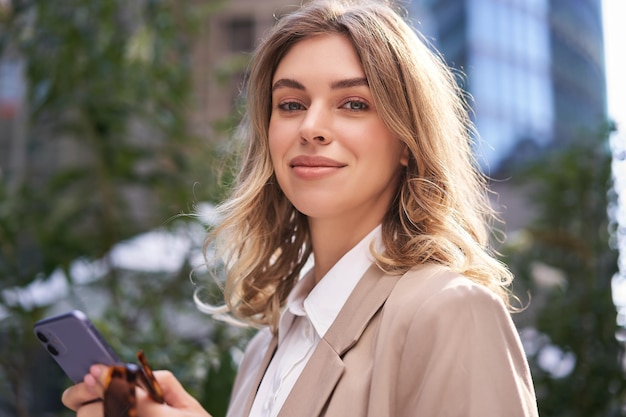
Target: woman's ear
404	157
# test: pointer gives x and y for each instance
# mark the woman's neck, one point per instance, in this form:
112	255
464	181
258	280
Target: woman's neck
332	240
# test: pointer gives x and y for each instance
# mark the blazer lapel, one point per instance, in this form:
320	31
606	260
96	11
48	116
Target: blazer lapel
241	406
315	384
324	369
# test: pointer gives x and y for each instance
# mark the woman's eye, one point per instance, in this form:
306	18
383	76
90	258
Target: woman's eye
290	106
355	105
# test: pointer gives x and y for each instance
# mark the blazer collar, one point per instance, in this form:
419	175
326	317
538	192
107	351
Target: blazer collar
326	366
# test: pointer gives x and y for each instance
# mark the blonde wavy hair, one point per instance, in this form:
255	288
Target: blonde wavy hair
441	213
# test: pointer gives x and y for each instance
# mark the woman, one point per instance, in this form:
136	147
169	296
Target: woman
359	156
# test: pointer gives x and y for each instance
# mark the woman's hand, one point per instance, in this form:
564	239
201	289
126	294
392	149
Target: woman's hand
84	398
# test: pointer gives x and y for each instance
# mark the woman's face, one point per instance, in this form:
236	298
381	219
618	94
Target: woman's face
333	156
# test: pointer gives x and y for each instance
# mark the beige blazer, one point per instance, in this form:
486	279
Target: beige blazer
430	343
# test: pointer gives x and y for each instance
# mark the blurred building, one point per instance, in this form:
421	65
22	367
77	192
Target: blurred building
221	53
535	69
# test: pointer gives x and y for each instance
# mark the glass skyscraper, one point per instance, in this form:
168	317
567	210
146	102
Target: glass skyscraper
535	68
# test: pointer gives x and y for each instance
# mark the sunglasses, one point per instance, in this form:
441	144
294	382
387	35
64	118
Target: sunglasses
120	399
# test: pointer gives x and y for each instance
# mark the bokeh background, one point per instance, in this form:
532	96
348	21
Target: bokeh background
116	121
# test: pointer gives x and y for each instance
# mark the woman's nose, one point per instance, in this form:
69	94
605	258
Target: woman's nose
315	127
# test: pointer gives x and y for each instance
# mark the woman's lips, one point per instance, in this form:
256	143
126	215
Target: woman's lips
312	167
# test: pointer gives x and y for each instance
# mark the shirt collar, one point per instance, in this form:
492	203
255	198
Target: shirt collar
321	303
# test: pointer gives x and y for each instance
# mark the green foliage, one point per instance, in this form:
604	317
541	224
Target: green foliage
109	155
564	261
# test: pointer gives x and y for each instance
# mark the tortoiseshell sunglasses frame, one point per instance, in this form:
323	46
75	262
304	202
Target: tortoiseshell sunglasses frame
120	399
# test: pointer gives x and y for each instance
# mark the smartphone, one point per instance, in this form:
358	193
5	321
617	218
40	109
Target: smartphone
74	343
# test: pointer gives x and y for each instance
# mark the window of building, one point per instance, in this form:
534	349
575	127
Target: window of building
240	33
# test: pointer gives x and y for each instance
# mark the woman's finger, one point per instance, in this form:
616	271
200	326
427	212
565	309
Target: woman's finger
95	380
77	395
93	409
176	398
173	392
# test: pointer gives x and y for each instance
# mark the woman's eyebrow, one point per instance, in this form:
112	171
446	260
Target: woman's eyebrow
336	85
350	82
288	83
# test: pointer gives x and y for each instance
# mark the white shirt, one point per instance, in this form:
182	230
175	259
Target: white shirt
310	311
